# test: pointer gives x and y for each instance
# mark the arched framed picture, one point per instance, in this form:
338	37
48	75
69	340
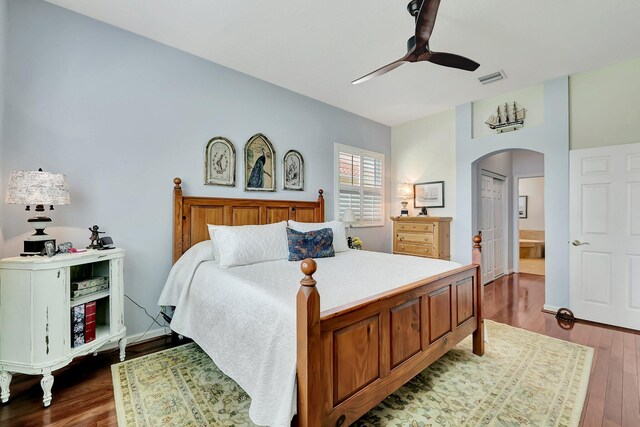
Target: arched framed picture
293	172
259	164
220	162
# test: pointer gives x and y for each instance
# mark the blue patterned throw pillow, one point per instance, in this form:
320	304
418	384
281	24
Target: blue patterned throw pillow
310	244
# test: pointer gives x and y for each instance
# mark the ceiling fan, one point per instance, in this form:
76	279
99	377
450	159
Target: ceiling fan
425	12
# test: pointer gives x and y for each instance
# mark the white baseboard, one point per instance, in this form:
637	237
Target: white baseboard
510	272
551	308
153	333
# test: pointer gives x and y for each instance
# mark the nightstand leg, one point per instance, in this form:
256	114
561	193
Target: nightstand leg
46	383
122	344
5	380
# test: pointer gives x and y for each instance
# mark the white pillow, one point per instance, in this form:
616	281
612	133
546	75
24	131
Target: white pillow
212	236
339	233
250	244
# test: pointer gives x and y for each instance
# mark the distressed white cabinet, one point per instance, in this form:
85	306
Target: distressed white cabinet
35	312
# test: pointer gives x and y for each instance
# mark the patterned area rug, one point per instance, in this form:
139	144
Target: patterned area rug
524	379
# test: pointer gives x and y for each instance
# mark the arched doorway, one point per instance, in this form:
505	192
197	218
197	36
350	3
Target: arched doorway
551	138
496	211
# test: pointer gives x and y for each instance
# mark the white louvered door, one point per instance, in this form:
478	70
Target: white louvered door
488	253
492	227
605	234
498	228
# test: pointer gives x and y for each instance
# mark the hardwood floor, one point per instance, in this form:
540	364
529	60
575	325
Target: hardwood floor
614	387
83	394
532	266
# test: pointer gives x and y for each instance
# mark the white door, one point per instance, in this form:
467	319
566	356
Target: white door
492	226
605	234
498	228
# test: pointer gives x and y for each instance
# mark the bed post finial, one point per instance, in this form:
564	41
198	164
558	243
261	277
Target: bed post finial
309	347
476	258
320	209
308	267
177	181
477	239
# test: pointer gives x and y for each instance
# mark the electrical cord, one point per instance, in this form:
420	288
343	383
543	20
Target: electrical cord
155	319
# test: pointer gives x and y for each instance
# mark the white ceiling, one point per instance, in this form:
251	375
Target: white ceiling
317	48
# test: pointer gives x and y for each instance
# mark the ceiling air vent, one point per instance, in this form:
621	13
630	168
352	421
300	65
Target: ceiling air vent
493	77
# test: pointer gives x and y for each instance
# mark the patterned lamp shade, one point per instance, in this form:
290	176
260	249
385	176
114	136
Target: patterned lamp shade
37	188
349	216
405	191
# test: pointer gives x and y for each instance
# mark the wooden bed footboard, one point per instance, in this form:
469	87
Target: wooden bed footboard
353	357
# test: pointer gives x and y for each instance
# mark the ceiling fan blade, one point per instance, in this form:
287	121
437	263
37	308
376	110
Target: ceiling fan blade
424	23
381	71
453	61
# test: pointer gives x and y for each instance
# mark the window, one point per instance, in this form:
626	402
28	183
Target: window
359	185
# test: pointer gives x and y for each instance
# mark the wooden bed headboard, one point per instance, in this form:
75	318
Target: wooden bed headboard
192	214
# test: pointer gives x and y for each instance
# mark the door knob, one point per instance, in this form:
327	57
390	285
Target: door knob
579	243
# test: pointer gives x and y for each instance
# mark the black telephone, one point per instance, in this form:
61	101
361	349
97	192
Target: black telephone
106	242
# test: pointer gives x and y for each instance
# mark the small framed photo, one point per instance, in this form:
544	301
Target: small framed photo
65	247
293	171
522	206
428	195
220	162
49	248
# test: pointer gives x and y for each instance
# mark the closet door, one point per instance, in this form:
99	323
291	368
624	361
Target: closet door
498	227
487	223
492	191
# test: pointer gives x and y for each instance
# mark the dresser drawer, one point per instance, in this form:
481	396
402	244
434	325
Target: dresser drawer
415	227
419	250
414	238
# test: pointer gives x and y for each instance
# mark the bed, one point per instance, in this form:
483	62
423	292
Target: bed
330	359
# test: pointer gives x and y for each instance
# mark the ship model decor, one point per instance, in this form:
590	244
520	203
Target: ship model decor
507	118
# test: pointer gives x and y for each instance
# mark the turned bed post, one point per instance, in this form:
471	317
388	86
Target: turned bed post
476	258
320	210
309	349
177	219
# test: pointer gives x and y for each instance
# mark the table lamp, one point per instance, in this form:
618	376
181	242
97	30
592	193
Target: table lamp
406	191
349	217
37	188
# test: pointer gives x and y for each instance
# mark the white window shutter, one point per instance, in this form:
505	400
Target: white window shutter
360	176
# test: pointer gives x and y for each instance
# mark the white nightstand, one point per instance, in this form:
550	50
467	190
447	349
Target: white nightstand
35	312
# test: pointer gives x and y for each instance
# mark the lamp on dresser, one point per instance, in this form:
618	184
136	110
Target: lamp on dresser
349	217
406	192
39	189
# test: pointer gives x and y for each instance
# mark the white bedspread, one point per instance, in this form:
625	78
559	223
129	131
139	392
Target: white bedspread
245	317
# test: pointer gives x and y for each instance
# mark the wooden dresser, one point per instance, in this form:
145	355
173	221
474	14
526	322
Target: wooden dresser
426	236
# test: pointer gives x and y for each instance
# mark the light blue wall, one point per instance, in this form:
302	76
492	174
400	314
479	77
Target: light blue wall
122	115
550	138
3	39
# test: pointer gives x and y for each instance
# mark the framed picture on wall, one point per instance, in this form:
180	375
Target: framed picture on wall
293	171
259	164
220	162
428	195
522	206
